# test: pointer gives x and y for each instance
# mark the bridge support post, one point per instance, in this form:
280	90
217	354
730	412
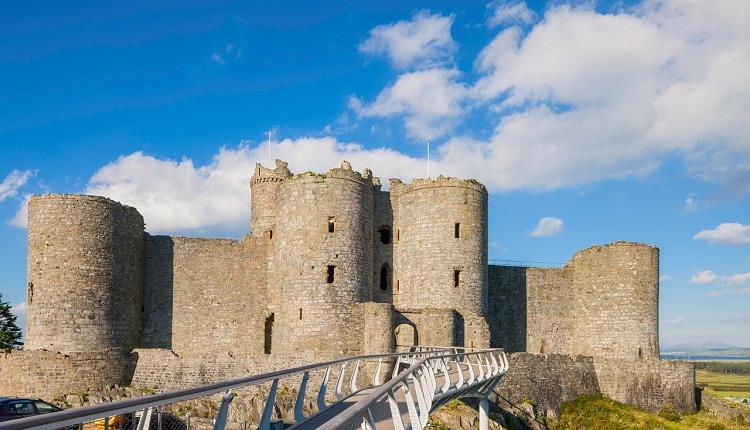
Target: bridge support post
484	411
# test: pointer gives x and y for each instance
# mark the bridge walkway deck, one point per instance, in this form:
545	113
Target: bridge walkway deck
381	411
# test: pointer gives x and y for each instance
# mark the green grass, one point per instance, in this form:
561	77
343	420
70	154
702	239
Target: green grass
723	384
602	413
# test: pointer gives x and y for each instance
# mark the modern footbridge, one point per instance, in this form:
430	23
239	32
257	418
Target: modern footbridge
388	391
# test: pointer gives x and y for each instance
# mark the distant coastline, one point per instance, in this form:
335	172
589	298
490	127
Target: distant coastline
691	357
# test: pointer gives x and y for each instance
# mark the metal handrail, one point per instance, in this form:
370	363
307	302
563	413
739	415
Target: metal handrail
88	413
360	411
423	360
525	263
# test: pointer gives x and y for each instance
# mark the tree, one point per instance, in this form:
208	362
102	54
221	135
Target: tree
10	334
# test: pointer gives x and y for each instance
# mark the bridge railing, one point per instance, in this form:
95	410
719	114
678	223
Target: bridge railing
427	384
176	408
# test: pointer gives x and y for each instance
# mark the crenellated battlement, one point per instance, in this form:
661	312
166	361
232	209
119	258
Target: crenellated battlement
398	187
265	174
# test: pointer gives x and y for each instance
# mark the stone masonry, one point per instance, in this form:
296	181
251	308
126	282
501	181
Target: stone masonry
333	265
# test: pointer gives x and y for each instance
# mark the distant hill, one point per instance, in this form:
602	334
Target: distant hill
718	349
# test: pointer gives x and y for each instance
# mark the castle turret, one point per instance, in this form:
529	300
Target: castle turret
441	244
85	266
321	261
264	186
616	301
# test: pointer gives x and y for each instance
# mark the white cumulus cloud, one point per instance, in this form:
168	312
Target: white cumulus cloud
13	182
430	102
177	195
19	309
21	217
547	226
581	96
704	277
737	279
504	12
424	41
731	233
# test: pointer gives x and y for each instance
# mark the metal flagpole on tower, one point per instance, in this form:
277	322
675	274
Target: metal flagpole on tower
269	148
428	159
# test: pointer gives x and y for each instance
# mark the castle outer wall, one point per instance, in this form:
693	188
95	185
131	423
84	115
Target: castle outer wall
603	303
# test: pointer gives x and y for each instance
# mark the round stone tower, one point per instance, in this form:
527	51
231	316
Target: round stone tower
321	261
616	301
441	245
264	186
85	266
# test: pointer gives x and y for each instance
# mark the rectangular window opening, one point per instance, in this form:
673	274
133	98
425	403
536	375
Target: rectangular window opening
457	230
300	313
268	334
456	278
330	272
331	224
398	235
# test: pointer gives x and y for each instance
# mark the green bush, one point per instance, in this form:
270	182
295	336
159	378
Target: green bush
669	413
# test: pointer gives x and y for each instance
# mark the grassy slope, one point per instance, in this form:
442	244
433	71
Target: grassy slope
601	413
723	384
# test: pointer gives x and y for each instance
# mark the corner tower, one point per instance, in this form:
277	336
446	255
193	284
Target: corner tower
441	244
85	268
616	301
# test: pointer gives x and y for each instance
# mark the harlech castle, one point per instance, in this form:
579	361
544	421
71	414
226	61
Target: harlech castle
333	265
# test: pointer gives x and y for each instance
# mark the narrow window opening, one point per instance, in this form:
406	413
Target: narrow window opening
457	230
385	235
331	224
330	271
270	234
398	235
640	352
268	334
300	314
398	284
384	277
456	278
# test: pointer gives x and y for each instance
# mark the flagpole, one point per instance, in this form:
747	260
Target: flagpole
269	148
428	159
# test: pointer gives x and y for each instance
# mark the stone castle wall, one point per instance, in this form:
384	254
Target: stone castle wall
648	384
85	269
545	380
205	295
507	307
603	303
48	374
548	380
549	312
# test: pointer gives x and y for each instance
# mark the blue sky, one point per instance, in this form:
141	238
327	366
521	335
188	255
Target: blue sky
588	122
